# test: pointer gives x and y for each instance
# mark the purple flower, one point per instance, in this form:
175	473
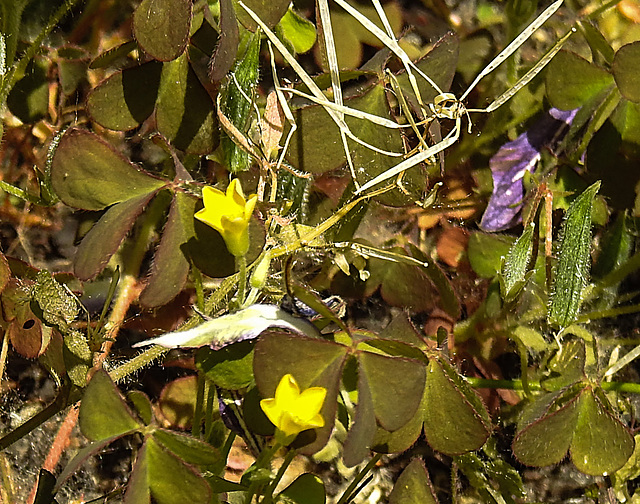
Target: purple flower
510	163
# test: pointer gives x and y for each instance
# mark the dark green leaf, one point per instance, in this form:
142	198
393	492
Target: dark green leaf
29	97
546	440
439	64
105	237
485	252
413	486
230	367
396	385
571	80
601	444
306	489
225	52
125	99
572	270
161	27
362	430
189	449
89	173
170	480
270	11
456	421
316	146
103	412
184	110
235	106
626	70
170	264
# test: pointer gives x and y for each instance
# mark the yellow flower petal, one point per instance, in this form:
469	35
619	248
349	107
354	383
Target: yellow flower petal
292	411
229	213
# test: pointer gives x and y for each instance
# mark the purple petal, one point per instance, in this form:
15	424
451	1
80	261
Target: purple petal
510	163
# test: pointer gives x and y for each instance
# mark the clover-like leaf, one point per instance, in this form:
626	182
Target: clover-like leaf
316	146
89	173
161	27
170	263
413	486
572	81
396	385
103	412
626	71
105	237
306	489
270	11
582	424
456	421
184	110
160	473
125	99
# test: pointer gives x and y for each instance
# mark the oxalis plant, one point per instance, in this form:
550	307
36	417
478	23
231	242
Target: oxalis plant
351	265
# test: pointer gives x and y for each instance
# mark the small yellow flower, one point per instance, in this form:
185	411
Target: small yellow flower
291	411
229	214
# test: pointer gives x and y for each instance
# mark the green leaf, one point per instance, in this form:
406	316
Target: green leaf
572	270
72	68
403	438
103	412
29	97
171	266
270	11
105	237
396	386
456	421
413	486
598	442
601	444
235	106
362	430
125	99
626	71
188	448
300	32
516	265
571	81
177	402
56	306
230	367
306	489
161	27
184	110
567	366
485	252
89	173
170	480
225	52
545	440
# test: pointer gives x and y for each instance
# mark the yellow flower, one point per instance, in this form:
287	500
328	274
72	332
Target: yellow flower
291	411
229	214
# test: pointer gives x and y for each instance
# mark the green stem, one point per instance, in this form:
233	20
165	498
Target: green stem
241	264
264	461
197	412
268	495
346	496
629	387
